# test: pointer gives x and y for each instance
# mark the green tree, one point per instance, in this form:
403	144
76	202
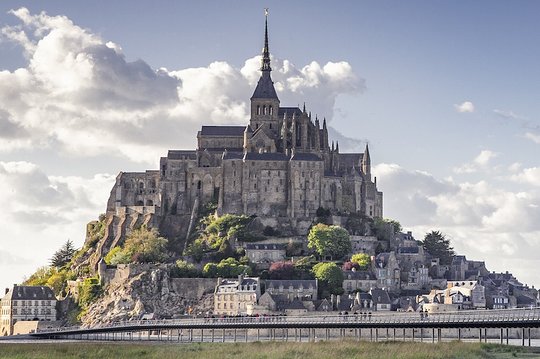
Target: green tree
362	259
40	276
436	244
89	290
329	240
142	245
196	249
64	255
184	269
210	270
386	228
330	278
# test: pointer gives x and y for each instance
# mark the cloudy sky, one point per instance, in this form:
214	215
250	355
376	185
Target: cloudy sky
446	94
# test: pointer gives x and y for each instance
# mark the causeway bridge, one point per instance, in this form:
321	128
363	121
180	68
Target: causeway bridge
498	325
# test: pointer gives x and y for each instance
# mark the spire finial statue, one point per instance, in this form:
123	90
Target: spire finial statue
265	62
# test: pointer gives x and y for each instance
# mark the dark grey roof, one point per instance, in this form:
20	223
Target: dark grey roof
457	260
382	259
23	292
295	304
408	250
222	130
380	296
181	154
305	157
265	87
229	155
358	275
265	246
221	149
267	156
289	111
347	160
295	283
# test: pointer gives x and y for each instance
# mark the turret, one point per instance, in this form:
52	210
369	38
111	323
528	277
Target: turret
366	163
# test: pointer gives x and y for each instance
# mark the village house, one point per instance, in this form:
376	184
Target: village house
387	271
293	289
355	280
232	296
264	254
24	304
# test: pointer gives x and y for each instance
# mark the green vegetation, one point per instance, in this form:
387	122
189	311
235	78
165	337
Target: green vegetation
185	269
331	241
330	278
143	245
362	259
89	290
51	277
64	255
385	229
259	350
227	268
436	244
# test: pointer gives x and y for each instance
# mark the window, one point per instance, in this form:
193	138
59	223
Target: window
258	110
271	110
264	110
270	126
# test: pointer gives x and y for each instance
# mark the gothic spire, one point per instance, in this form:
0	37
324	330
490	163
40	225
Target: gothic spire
265	62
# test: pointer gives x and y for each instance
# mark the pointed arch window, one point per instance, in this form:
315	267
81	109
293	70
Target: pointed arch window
258	110
271	110
264	110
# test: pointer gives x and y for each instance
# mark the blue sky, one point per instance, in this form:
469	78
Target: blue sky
445	92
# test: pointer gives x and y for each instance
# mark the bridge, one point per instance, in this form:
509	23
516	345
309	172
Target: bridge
363	326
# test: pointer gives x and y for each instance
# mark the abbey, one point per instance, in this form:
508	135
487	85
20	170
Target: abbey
278	165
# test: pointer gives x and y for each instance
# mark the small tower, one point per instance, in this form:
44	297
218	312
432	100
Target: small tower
366	163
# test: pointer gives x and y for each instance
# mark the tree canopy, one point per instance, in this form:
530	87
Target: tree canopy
143	245
63	256
329	240
227	268
362	259
330	278
282	270
436	244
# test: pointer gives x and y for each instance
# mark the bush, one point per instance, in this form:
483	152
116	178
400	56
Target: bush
227	268
89	291
362	259
142	246
184	269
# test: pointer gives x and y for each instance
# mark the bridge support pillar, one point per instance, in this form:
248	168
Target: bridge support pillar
376	334
433	335
403	334
246	335
485	335
235	335
480	335
529	337
223	335
287	334
191	335
439	335
459	334
212	335
421	334
413	335
370	334
506	336
522	337
501	335
394	335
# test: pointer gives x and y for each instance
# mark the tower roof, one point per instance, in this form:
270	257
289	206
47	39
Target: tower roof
265	86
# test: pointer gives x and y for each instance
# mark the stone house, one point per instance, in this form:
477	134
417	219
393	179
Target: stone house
264	254
232	296
463	292
355	280
26	303
364	244
293	289
387	270
381	299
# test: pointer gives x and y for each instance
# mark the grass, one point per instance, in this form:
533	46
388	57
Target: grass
258	350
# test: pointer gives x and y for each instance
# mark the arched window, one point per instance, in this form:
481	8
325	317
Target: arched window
258	110
271	110
149	202
264	110
199	185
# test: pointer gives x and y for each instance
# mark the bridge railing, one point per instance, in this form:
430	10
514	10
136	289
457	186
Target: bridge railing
389	318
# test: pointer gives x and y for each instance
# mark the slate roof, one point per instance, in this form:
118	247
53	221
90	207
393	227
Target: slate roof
230	155
23	292
267	156
358	275
181	154
222	130
408	250
289	111
295	304
380	296
295	283
347	160
305	157
265	88
265	246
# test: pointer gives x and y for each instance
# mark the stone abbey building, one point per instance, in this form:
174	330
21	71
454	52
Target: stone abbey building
279	165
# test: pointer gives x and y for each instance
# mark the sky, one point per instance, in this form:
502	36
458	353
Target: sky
445	93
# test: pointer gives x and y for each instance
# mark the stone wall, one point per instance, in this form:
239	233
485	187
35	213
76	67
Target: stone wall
193	288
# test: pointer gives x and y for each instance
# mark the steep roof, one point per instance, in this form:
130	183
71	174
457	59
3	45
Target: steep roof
223	130
181	154
265	246
305	157
23	292
295	283
266	156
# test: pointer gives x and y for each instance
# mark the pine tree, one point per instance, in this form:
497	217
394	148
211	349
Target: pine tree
64	255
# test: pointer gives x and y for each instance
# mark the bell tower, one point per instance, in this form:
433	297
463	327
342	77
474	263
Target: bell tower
265	102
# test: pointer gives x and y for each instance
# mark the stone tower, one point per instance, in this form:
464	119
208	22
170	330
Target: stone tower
265	102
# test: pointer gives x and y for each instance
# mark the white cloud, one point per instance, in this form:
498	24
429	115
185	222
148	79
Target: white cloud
79	96
480	162
533	137
482	220
509	115
466	106
528	175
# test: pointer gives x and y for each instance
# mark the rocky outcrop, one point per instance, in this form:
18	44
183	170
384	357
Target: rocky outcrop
133	292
